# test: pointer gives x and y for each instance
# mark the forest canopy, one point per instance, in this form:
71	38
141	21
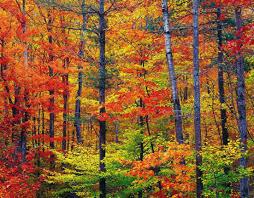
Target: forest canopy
126	98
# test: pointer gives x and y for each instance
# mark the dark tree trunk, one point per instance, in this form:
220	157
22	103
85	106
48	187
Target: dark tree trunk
223	112
172	75
39	126
26	115
78	108
51	95
102	82
149	131
43	128
80	76
34	141
197	115
39	141
15	114
23	136
241	104
65	98
141	144
116	132
141	124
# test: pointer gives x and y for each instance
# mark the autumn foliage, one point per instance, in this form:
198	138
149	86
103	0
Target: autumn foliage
101	98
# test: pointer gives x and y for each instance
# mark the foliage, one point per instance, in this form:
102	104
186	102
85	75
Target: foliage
169	170
50	64
220	175
78	173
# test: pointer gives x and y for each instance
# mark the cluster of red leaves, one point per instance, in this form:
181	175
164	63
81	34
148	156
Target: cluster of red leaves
179	183
244	43
17	179
154	105
225	3
11	7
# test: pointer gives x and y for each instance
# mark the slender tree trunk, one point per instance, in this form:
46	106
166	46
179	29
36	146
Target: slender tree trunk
39	126
241	103
65	80
68	140
72	139
65	98
51	94
185	95
26	115
116	131
102	82
80	76
141	145
37	156
197	115
43	128
172	75
141	124
223	112
34	141
16	112
149	131
78	107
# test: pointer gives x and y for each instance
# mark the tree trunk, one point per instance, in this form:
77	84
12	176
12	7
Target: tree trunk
116	131
34	141
15	113
26	115
39	126
80	77
102	82
172	75
185	95
197	119
223	113
43	128
78	107
65	98
241	104
51	95
141	145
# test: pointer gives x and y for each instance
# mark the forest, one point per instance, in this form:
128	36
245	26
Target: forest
126	98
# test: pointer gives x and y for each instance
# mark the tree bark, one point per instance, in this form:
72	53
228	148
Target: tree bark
172	75
141	144
80	76
65	98
241	103
223	112
116	131
102	87
197	115
26	115
51	95
43	128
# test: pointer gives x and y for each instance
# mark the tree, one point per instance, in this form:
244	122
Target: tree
88	107
241	103
223	112
23	141
80	74
171	70
51	91
102	96
197	118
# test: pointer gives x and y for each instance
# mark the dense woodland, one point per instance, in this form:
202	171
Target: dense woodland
126	98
